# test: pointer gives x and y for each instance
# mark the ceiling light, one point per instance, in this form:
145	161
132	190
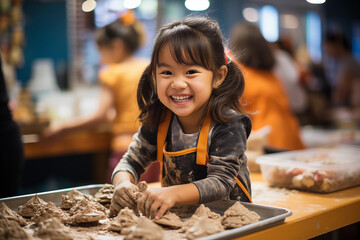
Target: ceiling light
88	5
197	5
250	14
316	1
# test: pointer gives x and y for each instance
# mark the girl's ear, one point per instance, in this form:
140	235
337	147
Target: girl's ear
220	76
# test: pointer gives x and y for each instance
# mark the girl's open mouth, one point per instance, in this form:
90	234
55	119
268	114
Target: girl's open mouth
180	99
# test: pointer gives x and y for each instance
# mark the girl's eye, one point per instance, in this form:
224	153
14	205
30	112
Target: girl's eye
166	73
191	72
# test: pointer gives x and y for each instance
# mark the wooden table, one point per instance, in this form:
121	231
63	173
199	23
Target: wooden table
75	143
96	142
312	214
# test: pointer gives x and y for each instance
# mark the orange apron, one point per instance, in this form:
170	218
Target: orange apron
202	156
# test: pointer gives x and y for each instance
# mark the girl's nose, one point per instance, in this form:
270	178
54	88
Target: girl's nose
178	83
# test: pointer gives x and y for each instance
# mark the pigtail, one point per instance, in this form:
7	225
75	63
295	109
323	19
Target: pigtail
144	96
227	95
152	111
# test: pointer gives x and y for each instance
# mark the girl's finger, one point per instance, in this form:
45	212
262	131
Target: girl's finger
129	201
131	194
124	200
114	206
161	211
154	208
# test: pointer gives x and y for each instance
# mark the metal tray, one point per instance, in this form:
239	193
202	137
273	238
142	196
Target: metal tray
270	216
53	196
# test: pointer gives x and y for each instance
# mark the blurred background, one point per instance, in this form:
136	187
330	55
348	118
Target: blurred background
51	64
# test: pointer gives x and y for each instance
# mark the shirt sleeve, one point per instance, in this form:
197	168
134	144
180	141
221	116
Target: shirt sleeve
226	156
141	152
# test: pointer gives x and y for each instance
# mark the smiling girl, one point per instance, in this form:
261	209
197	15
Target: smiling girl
192	123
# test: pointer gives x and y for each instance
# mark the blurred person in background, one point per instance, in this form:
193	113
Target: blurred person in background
345	80
287	70
11	146
117	42
264	95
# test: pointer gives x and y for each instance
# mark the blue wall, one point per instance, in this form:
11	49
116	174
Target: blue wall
45	34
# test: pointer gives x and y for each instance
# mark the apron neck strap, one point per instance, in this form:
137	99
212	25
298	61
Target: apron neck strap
202	156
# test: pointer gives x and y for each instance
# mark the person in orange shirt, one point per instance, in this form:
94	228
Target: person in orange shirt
264	94
117	43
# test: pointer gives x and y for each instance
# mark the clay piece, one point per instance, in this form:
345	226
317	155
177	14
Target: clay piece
201	211
140	198
53	229
140	204
145	230
203	226
184	212
49	211
71	198
86	211
125	218
170	220
105	194
238	215
29	209
6	212
142	186
11	230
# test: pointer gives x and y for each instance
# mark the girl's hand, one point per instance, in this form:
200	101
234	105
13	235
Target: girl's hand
157	201
124	196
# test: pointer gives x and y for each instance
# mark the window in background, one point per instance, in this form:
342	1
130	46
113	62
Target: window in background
313	36
356	41
269	23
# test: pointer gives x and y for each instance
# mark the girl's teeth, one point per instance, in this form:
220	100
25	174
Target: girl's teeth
180	99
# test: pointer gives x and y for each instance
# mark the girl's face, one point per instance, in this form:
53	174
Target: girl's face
106	55
184	89
112	53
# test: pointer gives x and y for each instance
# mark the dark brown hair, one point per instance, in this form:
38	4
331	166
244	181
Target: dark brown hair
194	41
250	48
131	34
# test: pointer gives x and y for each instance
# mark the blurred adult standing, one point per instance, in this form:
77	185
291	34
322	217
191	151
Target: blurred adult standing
345	80
287	70
11	146
117	43
264	94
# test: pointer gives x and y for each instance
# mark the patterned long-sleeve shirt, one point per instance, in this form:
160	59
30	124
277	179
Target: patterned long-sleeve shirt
217	179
